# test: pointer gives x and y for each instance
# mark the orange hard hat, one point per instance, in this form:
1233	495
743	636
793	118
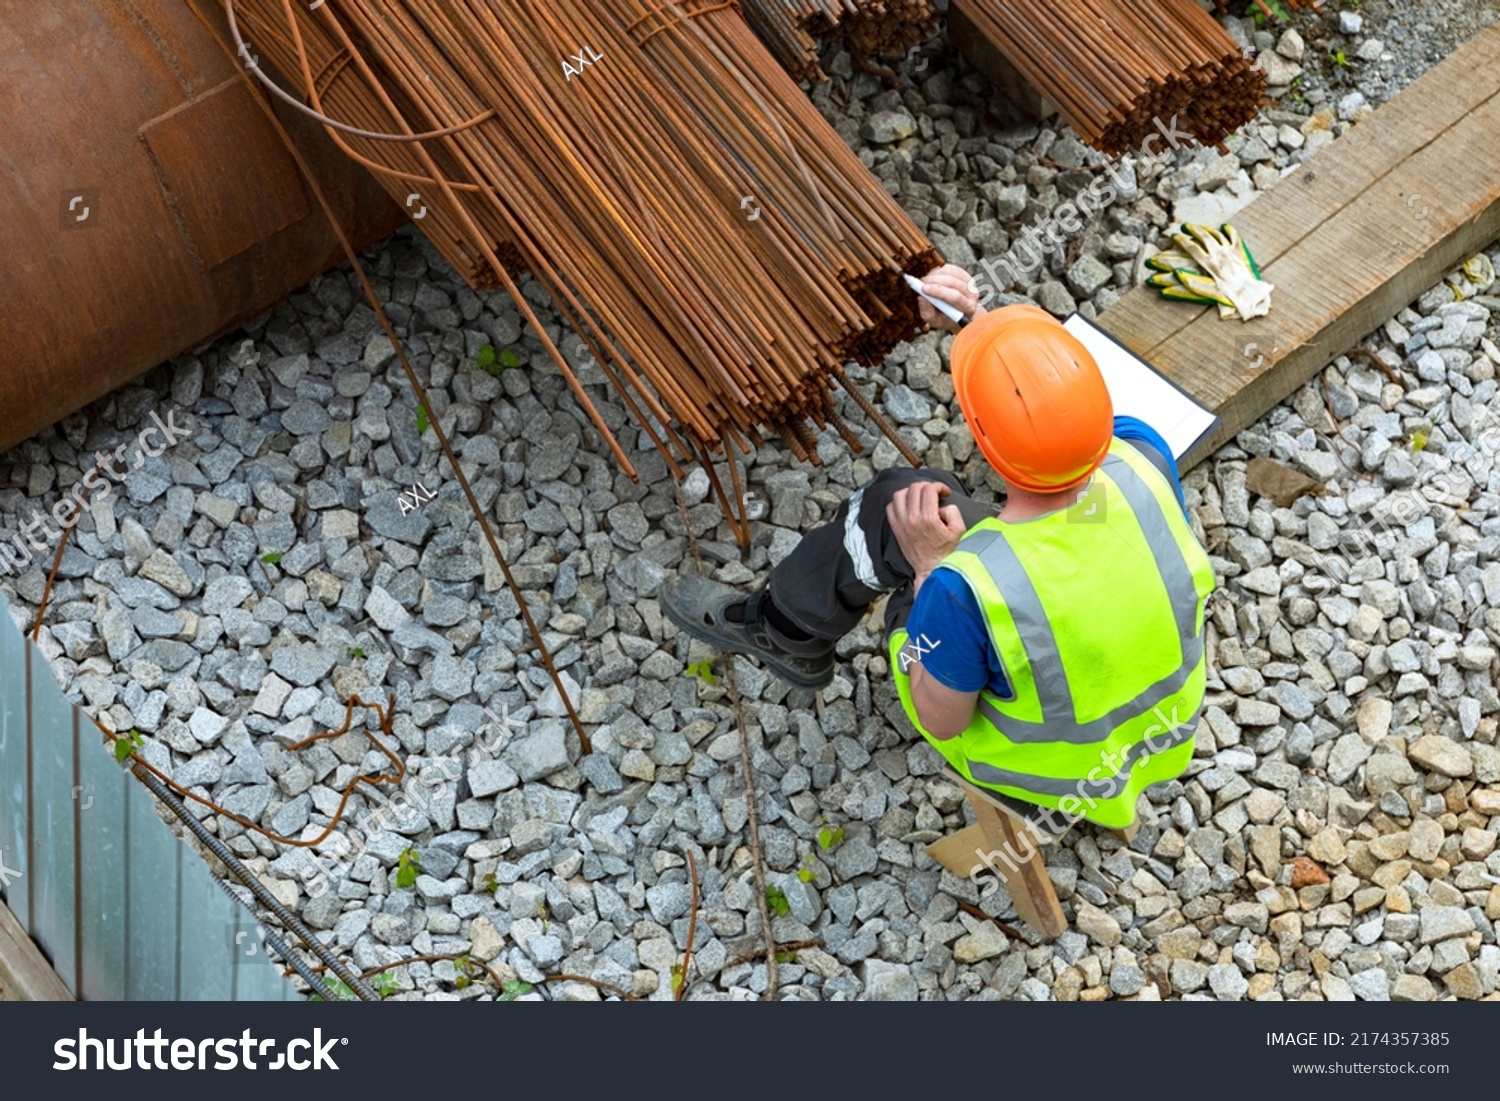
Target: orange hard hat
1033	397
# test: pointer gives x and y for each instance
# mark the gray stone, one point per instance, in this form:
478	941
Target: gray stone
206	725
907	407
888	982
1443	922
227	592
1228	984
452	678
668	901
490	777
305	418
885	127
540	752
1373	985
855	857
303	664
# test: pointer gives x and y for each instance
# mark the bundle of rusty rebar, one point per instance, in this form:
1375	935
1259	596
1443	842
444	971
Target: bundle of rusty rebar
794	28
713	241
1115	68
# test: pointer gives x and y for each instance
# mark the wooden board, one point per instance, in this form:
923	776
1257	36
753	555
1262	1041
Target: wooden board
1349	239
25	974
1031	891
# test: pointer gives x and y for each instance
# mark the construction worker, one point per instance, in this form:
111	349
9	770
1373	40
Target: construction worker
1053	653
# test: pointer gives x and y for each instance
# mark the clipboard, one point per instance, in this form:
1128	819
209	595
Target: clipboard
1139	390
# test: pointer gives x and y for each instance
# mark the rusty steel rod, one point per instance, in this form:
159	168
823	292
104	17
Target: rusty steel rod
1116	69
794	29
714	243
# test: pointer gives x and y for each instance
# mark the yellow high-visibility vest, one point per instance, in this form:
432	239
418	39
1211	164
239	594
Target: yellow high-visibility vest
1096	613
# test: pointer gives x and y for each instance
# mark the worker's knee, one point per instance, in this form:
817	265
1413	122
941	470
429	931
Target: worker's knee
881	488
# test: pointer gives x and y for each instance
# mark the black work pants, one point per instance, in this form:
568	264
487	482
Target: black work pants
827	584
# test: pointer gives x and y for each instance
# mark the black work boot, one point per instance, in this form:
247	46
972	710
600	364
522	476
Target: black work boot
697	605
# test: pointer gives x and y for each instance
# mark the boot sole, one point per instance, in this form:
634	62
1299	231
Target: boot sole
737	644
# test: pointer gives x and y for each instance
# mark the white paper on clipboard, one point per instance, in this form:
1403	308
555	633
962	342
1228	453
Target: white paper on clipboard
1138	390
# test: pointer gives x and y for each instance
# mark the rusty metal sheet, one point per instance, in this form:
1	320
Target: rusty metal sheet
126	248
224	133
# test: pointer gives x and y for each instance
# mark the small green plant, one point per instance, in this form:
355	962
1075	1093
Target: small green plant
408	867
512	990
786	955
386	984
1277	10
489	884
541	913
1339	59
703	670
422	421
467	971
776	901
337	990
806	874
1418	439
677	978
830	838
486	360
356	651
126	744
272	558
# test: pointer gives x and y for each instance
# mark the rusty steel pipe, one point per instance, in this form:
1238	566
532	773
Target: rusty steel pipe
148	205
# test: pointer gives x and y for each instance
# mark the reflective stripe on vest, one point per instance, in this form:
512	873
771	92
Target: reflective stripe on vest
1075	736
1059	723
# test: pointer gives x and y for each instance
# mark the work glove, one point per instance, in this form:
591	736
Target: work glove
1222	255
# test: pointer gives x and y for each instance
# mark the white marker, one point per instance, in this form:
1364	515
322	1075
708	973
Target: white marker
952	312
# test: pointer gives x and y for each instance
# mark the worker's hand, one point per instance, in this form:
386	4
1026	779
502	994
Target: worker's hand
950	284
926	530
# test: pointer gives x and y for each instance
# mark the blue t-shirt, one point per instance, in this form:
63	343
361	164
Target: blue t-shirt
945	609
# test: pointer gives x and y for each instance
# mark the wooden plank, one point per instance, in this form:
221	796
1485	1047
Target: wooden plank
1349	239
1040	825
25	974
957	851
1030	887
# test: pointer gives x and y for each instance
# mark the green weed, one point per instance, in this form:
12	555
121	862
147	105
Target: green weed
776	901
126	744
408	867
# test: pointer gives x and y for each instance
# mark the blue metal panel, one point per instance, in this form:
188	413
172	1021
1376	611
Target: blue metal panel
121	906
54	852
152	878
260	980
102	830
13	783
205	959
